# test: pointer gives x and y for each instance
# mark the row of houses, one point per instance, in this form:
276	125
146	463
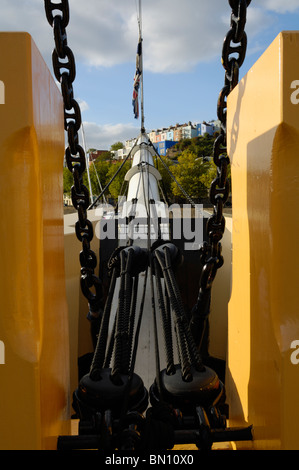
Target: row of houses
163	139
184	131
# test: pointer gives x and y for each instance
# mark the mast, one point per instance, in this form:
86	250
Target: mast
141	66
87	163
143	178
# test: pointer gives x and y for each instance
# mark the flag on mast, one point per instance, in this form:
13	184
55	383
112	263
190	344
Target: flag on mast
137	78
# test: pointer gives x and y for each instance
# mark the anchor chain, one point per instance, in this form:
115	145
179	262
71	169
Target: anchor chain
65	72
233	55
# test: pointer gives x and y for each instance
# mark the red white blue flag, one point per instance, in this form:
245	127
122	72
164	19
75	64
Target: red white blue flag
137	77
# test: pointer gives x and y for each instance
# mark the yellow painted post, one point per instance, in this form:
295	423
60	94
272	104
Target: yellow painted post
34	378
263	320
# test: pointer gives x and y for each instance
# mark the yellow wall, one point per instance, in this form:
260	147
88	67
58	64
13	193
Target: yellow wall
263	143
34	381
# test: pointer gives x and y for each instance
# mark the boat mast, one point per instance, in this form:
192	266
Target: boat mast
141	66
87	162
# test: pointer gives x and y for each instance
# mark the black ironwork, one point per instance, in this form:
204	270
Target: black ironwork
65	72
233	55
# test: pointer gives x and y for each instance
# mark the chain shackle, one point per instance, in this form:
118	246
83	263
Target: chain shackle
64	68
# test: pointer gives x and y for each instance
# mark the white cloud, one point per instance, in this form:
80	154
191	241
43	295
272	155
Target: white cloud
279	6
83	105
177	35
103	136
257	20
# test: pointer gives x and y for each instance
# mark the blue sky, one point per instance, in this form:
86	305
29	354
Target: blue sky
182	56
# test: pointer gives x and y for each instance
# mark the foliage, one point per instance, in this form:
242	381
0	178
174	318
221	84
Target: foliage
166	178
117	146
98	172
67	180
104	157
116	186
191	173
201	146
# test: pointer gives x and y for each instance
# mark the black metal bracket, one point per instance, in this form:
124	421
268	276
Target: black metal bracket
103	433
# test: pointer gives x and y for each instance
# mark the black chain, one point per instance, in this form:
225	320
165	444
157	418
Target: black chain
233	55
65	72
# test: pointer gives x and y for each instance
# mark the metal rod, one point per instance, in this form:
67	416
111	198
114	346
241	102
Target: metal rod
87	163
141	66
232	434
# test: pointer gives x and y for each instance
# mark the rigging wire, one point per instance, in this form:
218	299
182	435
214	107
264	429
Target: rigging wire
176	181
87	166
98	179
113	177
87	161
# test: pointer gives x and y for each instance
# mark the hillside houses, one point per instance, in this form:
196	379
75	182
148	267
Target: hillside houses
163	139
183	131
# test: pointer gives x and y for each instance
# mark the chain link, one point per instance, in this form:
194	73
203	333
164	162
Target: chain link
233	55
65	72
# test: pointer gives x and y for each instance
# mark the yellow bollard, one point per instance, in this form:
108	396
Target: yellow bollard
263	320
34	376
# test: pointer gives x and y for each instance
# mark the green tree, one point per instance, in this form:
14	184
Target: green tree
209	175
98	175
190	173
105	156
184	144
116	186
201	146
166	178
67	180
117	146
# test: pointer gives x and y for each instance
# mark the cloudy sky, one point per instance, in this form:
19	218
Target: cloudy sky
182	48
